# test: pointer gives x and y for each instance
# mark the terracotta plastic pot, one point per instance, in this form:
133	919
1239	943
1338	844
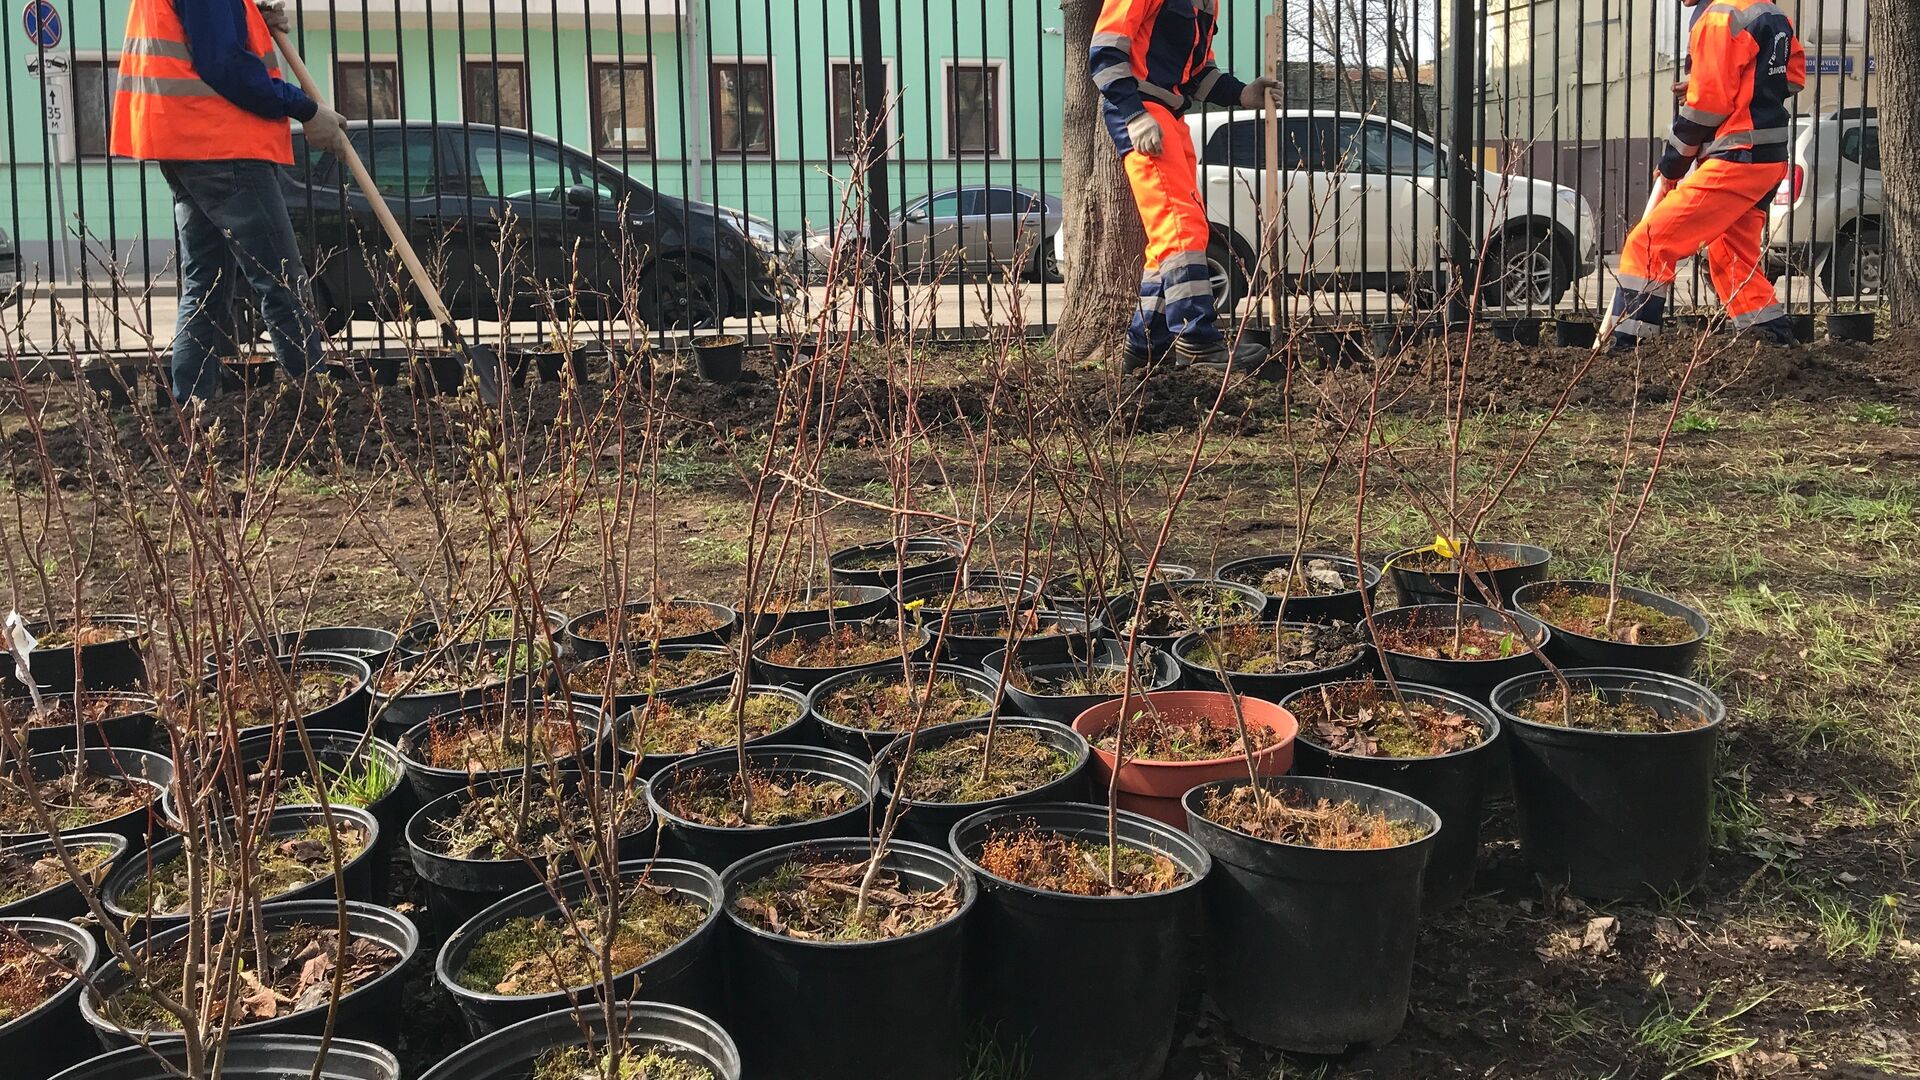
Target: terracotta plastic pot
1154	788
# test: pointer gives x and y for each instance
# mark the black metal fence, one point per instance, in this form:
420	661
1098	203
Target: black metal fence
570	166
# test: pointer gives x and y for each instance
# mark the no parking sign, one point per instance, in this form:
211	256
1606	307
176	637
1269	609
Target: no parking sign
41	20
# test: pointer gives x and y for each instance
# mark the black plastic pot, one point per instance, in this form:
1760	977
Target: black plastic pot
1044	636
510	1053
1269	687
857	603
350	713
797	731
815	1002
717	359
1300	910
930	822
255	1057
1120	609
864	743
1162	672
718	847
51	1035
1568	649
1334	607
459	889
930	591
1575	333
357	872
584	646
549	363
1086	986
1850	326
917	638
690	973
1425	587
62	901
371	1011
943	558
1803	328
429	782
1068	592
130	725
791	349
1453	786
424	636
396	714
1341	347
1616	814
336	750
438	372
249	372
106	665
145	766
1469	678
637	659
369	643
1517	331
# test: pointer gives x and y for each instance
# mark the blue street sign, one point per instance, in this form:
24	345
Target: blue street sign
41	20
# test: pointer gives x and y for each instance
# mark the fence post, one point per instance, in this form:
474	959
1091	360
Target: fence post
873	94
1463	192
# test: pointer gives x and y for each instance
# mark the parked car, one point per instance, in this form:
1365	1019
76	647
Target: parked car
974	229
475	196
9	264
1825	219
1365	206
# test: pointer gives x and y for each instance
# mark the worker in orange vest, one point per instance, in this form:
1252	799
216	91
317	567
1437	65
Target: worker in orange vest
200	93
1728	152
1153	60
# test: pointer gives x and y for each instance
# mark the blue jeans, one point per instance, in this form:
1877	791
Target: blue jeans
233	223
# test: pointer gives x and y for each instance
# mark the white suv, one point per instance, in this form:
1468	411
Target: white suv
1825	219
1365	202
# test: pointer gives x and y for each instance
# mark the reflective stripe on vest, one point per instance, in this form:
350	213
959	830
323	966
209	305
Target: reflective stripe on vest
163	111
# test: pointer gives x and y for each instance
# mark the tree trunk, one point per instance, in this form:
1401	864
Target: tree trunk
1896	49
1104	241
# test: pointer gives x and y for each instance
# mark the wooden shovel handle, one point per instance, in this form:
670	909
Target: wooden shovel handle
361	177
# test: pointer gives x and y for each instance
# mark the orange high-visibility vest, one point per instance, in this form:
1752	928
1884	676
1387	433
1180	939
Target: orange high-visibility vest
162	111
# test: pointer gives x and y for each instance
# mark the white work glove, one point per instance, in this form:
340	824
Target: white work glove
275	14
326	131
1255	94
1146	135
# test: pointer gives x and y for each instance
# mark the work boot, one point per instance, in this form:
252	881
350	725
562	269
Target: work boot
1777	331
1135	360
1623	343
1245	356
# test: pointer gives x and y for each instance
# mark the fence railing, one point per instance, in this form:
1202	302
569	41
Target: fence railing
576	165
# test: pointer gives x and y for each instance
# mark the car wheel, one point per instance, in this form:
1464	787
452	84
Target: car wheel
1523	267
1044	267
1227	275
679	295
1855	266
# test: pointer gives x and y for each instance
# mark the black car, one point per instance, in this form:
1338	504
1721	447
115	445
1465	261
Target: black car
570	231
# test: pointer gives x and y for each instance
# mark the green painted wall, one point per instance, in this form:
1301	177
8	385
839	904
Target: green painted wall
800	184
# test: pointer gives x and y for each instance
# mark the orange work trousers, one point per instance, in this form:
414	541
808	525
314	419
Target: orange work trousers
1176	297
1720	206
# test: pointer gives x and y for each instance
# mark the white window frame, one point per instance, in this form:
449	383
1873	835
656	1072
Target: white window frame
772	152
945	146
526	82
652	73
893	102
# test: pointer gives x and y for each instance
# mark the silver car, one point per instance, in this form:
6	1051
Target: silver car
9	264
977	229
1825	219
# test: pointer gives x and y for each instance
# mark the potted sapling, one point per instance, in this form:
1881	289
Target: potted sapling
122	718
861	712
1466	648
619	681
1176	739
667	729
249	1057
721	806
806	656
1163	612
1324	588
451	751
451	679
632	1040
34	882
1063	690
1476	572
654	623
945	772
1272	659
42	964
1426	743
94	652
886	563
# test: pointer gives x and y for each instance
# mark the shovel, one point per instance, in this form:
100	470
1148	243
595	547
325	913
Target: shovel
479	359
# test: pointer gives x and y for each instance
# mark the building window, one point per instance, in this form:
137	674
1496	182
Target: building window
973	109
367	89
743	108
93	86
496	92
850	133
622	108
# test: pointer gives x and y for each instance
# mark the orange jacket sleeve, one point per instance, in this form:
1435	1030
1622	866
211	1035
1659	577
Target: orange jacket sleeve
1122	25
1720	84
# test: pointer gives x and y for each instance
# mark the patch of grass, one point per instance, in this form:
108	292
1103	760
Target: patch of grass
714	553
1693	420
1874	412
1699	1036
990	1059
1847	931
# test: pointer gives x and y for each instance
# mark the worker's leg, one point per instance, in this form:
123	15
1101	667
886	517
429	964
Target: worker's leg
1711	200
1743	285
243	198
1166	191
202	331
